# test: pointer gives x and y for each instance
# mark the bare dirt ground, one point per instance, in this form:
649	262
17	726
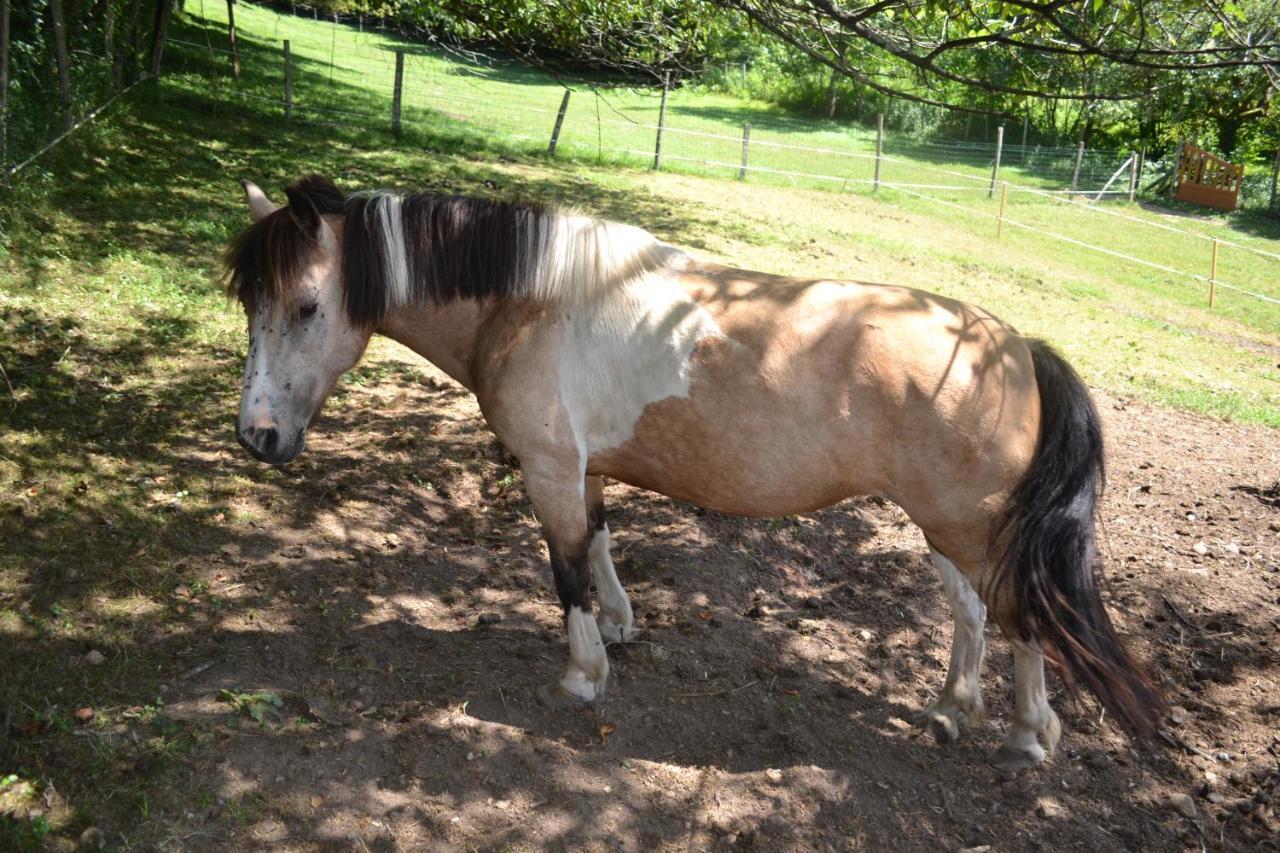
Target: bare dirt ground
391	589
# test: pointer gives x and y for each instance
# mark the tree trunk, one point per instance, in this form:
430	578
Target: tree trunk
164	9
109	31
129	56
231	28
1228	131
59	25
4	92
831	95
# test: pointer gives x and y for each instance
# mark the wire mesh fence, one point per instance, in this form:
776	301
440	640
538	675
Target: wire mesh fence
63	69
354	74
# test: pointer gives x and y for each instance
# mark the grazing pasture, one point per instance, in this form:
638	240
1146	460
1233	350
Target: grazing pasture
197	652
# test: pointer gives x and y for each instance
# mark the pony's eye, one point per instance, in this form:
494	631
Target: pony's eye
308	311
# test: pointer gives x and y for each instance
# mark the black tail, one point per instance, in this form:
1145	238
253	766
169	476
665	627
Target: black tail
1046	554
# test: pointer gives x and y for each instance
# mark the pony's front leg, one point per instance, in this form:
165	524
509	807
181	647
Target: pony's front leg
558	501
615	620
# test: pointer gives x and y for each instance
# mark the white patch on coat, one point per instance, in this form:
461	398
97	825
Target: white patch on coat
615	619
1035	729
626	349
256	398
963	689
588	669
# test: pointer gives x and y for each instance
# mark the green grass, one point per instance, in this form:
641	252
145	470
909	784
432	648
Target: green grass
344	76
122	361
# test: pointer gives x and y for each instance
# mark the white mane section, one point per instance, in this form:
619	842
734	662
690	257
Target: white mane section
582	257
395	260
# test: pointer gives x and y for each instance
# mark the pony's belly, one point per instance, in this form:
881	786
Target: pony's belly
770	463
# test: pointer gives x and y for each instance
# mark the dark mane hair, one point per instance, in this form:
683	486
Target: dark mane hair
264	260
402	250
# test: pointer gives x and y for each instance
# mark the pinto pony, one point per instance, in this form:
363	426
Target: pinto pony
594	350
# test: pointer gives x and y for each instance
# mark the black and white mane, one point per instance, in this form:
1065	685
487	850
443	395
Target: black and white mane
405	250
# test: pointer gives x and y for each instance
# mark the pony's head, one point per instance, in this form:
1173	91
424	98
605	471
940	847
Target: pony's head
286	270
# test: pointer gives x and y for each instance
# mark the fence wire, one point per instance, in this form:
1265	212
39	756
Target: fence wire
498	103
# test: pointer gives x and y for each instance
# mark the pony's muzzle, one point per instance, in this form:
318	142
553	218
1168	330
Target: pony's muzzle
264	444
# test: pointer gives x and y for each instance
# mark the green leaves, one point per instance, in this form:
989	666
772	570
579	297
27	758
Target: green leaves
258	705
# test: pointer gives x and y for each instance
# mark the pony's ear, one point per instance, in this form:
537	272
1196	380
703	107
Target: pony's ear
260	207
303	211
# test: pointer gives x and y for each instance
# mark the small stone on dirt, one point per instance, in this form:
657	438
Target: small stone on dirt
1098	761
981	848
84	715
813	602
1200	548
92	839
1049	808
95	657
1182	804
773	775
489	618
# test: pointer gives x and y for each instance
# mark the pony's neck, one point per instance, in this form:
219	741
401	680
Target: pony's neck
444	335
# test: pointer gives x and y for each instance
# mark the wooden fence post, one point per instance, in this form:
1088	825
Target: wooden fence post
1024	139
995	169
662	121
1275	172
1177	169
746	142
879	149
397	92
231	33
555	132
1004	192
1075	176
1133	175
288	82
1213	271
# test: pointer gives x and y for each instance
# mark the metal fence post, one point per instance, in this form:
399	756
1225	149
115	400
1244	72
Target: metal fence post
746	142
995	170
396	95
1075	176
1025	120
879	149
555	132
288	82
662	120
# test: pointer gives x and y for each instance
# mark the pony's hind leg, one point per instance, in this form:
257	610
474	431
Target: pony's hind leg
557	498
615	619
1035	730
961	698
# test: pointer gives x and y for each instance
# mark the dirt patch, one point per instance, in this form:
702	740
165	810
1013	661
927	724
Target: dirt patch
389	594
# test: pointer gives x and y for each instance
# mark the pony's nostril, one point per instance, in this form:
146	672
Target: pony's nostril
269	439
